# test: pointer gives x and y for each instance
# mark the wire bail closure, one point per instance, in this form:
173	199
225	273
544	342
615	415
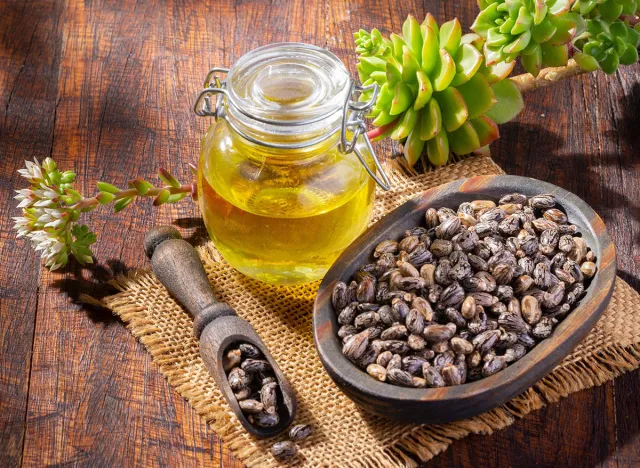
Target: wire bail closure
353	114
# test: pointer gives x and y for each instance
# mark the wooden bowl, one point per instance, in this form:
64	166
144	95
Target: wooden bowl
440	405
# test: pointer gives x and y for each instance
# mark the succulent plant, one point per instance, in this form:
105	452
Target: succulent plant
372	43
538	31
609	10
435	89
605	46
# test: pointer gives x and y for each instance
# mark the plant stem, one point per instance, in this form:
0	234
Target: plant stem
633	20
378	131
132	192
548	76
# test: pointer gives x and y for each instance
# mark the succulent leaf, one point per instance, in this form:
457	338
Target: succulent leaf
444	71
453	107
508	104
478	96
465	139
438	149
486	129
431	120
468	61
425	90
413	146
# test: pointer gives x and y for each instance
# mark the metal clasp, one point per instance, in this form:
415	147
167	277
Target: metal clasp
352	121
212	85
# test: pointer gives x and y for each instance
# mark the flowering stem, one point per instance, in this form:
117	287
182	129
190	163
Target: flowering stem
132	192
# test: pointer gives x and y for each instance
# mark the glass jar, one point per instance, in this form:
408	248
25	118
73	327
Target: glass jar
286	173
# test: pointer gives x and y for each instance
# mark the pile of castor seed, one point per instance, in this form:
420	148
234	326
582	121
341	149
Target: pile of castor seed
466	295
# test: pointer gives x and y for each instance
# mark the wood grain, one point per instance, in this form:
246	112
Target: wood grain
106	88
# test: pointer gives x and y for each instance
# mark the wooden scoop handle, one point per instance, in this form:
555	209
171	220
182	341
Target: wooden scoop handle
178	267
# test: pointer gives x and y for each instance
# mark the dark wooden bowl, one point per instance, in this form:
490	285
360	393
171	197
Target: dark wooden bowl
453	403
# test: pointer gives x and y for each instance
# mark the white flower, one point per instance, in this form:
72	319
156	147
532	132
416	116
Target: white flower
33	172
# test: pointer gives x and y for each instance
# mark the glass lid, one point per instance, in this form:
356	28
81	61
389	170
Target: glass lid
288	84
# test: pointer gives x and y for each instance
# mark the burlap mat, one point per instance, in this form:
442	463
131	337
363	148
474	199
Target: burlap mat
344	435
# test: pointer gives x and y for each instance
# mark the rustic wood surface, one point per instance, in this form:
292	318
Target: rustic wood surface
106	87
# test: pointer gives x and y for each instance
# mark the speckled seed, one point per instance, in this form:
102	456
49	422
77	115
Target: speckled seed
400	377
416	342
251	406
377	372
249	351
339	296
542	202
436	333
578	251
478	205
555	215
467	219
243	394
432	376
461	346
388	246
493	366
269	397
431	218
515	352
264	419
544	328
238	379
451	375
531	311
356	345
231	359
255	365
423	306
384	358
588	269
513	198
441	247
284	449
395	362
448	228
513	322
565	243
413	364
419	382
300	431
468	308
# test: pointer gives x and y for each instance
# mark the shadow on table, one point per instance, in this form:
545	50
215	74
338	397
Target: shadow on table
91	281
199	236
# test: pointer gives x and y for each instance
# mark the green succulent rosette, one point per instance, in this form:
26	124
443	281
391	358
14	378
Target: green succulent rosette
609	10
606	46
537	31
607	41
435	90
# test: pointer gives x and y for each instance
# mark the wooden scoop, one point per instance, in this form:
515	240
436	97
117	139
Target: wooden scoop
216	324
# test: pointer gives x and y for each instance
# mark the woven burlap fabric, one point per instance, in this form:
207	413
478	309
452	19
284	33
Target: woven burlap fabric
344	435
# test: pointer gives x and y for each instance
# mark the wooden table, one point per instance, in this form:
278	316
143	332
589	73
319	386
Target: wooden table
106	88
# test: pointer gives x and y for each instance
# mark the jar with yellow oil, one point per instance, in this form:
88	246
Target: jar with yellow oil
286	177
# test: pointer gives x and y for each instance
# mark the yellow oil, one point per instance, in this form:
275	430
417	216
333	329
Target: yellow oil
281	217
